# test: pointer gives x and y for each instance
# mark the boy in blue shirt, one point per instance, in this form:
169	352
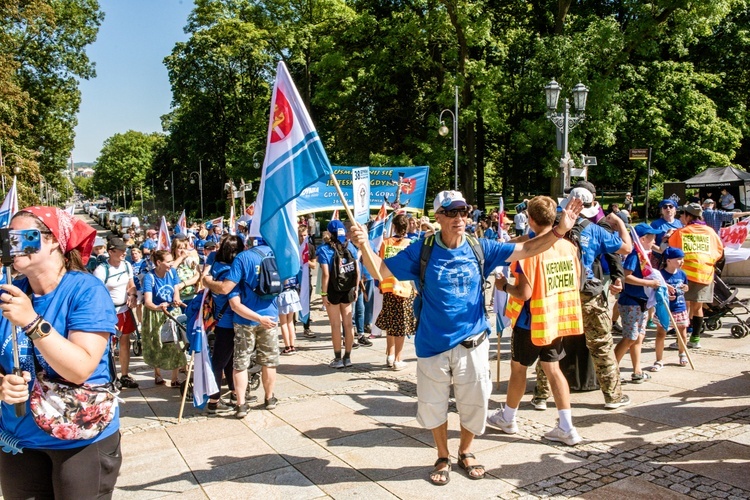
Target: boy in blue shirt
676	280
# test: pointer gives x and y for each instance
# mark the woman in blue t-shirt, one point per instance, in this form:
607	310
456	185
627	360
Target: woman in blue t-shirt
161	294
68	319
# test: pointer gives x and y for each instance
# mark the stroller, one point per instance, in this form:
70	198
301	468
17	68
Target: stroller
726	303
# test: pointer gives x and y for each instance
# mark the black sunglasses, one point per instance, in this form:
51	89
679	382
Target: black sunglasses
452	214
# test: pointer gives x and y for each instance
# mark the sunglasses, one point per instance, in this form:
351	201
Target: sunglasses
452	214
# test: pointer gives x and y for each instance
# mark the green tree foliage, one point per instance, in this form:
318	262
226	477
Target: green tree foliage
125	162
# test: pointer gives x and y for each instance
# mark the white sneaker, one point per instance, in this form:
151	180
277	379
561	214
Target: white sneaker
539	404
497	420
337	363
399	365
673	346
389	360
570	438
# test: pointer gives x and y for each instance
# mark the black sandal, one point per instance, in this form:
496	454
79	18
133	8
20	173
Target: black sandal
470	468
443	474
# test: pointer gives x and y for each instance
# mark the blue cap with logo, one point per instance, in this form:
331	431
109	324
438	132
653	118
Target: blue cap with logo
643	229
337	230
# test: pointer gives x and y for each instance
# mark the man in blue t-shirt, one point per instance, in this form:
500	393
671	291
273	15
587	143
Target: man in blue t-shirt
255	320
450	338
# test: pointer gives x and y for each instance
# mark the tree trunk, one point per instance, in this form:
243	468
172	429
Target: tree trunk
563	6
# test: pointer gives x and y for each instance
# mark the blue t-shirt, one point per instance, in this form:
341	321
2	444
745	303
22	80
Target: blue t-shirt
200	247
632	292
451	300
244	272
325	253
490	234
219	271
79	303
677	279
664	226
138	268
162	289
596	241
149	244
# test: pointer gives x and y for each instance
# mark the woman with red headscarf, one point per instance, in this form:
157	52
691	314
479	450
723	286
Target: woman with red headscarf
68	319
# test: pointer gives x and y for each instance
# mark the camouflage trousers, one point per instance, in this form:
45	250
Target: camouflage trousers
597	326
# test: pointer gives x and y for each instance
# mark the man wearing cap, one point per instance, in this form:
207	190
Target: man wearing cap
702	248
117	275
450	339
595	242
715	218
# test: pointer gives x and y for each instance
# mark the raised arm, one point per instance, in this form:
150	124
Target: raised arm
372	262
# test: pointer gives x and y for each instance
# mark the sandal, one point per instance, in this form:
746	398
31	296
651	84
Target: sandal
158	381
639	378
443	475
658	365
470	468
683	359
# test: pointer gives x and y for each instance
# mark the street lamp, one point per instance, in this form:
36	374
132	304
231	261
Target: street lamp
443	131
16	169
256	163
563	121
199	176
166	188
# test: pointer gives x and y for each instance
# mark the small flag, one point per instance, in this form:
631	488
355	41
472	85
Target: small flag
219	221
656	298
335	215
163	242
204	383
181	226
377	229
10	205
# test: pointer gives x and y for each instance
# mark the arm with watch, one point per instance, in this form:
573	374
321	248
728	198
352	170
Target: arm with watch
520	290
74	358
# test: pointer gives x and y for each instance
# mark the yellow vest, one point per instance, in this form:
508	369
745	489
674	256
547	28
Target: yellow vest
555	303
702	248
389	248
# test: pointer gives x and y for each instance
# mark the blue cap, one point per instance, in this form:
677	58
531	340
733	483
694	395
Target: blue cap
337	230
673	253
668	201
643	229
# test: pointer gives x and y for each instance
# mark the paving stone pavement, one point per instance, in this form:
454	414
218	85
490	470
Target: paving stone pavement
352	432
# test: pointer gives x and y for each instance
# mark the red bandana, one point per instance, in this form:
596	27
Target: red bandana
71	232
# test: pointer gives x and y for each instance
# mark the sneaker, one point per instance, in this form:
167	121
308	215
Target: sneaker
271	403
368	329
673	346
242	410
347	362
308	333
399	365
571	438
218	408
539	404
613	405
127	382
364	341
336	363
616	327
650	324
497	420
389	360
694	343
639	378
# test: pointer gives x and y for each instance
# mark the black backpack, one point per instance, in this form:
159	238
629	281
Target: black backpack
343	270
269	282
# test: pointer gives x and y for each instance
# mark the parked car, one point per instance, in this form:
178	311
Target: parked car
127	222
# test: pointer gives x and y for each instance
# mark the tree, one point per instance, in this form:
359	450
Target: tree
125	161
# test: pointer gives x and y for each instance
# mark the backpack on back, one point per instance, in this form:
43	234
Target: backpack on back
269	282
343	270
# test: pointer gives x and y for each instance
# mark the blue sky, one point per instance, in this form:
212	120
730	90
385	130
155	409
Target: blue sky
131	90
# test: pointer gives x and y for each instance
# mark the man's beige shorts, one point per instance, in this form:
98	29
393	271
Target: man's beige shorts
255	338
469	372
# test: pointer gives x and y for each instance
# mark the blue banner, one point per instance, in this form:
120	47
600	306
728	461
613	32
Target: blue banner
399	187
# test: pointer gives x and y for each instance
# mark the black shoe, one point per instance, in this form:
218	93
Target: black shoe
219	407
127	382
368	329
364	341
242	411
271	403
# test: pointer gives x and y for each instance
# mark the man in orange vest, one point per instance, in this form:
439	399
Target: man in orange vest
703	249
544	306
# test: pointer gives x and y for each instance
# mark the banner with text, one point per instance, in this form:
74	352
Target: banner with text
400	188
361	190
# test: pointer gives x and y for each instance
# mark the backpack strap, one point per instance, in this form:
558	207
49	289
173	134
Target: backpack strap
476	247
424	259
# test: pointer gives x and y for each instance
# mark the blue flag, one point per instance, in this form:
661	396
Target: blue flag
295	159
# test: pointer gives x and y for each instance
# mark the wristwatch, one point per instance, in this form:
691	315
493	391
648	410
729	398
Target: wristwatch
41	330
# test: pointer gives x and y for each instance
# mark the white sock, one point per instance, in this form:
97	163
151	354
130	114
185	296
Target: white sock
509	413
566	420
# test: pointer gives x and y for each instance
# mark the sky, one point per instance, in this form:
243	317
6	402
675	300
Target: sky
131	88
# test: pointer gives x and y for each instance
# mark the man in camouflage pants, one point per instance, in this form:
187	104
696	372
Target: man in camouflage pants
596	241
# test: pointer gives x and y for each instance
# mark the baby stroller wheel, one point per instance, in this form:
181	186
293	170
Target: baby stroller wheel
254	382
137	344
712	325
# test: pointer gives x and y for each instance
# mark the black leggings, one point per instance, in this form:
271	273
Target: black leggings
87	472
221	361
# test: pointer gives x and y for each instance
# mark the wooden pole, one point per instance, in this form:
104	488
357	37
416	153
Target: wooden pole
680	341
187	385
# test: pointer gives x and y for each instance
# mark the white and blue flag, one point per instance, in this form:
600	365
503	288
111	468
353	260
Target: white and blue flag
294	160
9	206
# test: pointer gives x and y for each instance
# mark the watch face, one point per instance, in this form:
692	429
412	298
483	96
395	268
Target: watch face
45	327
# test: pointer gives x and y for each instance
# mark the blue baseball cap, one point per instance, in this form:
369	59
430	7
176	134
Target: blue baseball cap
337	229
673	253
643	229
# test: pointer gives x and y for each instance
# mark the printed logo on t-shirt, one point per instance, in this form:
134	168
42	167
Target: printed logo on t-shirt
459	273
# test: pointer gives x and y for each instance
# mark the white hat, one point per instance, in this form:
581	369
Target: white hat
448	200
590	209
99	242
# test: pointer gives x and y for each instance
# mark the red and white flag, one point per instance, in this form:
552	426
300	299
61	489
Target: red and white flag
181	226
163	242
335	215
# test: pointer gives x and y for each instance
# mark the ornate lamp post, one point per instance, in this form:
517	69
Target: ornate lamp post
443	131
564	121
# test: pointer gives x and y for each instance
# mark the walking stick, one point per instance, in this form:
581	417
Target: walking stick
187	385
680	341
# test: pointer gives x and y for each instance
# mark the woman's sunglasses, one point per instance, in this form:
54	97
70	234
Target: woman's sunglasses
452	214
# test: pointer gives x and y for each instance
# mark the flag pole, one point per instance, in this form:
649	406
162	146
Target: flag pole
187	386
367	254
680	340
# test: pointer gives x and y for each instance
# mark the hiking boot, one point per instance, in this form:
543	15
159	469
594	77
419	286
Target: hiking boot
364	341
613	405
242	410
127	382
336	363
497	420
219	408
639	378
571	438
271	403
694	343
539	404
308	333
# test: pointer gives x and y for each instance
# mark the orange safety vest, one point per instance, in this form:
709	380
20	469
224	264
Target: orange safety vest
555	303
389	248
702	248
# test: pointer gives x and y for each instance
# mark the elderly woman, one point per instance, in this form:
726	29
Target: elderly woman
161	294
68	320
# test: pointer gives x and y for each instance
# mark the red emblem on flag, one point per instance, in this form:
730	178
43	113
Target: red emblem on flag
408	186
283	118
